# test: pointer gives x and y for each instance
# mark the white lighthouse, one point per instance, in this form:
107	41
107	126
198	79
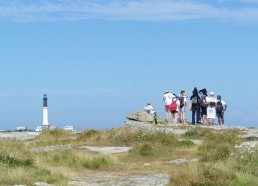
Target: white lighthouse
45	125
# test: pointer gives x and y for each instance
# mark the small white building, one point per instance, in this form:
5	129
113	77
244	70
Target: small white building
69	128
21	128
38	129
52	127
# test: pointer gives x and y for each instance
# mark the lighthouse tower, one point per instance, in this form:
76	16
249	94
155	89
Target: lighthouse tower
45	113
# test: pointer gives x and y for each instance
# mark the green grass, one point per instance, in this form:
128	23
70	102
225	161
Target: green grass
75	159
130	136
88	135
54	137
191	134
186	143
220	163
218	146
13	162
145	143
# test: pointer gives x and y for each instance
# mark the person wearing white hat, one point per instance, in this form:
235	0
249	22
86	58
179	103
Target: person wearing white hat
211	109
167	98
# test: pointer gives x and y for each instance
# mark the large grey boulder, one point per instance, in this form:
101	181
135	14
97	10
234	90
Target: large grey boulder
144	117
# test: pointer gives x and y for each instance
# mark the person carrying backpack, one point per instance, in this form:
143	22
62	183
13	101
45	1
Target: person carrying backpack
195	106
211	108
174	108
220	109
182	106
203	105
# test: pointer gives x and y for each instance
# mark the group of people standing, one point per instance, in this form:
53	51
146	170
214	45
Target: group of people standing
204	108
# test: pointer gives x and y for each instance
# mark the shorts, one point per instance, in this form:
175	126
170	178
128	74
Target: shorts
167	108
182	109
204	111
220	114
173	112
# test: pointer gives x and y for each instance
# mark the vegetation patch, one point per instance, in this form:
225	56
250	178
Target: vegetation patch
76	159
186	143
13	162
191	134
222	161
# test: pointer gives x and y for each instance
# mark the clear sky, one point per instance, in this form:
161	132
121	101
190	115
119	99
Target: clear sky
98	60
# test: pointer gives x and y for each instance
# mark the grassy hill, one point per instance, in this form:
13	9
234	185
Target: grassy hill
56	157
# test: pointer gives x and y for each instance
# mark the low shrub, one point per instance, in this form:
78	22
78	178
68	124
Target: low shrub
5	159
87	134
44	175
186	143
186	174
191	134
76	159
152	150
97	162
54	137
131	136
218	146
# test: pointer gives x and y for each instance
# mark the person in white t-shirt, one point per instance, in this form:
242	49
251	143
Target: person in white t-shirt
211	109
167	98
149	109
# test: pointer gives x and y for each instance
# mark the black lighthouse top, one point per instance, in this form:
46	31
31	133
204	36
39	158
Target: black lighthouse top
45	101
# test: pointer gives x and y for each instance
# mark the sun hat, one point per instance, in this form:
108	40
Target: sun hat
166	92
212	93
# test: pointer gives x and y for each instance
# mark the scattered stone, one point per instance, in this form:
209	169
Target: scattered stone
181	161
251	133
50	148
195	141
123	179
18	135
146	164
250	144
251	138
106	150
42	184
163	128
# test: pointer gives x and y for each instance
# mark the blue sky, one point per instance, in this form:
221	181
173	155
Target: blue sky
99	60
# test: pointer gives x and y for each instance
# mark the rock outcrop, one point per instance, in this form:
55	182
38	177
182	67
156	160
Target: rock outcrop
143	117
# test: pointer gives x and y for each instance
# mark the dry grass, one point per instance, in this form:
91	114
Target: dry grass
220	163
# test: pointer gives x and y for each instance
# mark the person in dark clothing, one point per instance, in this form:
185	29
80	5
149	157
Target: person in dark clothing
195	106
203	105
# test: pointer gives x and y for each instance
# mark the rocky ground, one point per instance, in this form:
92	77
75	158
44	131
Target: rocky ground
94	179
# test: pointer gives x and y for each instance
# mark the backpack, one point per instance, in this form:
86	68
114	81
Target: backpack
212	104
194	100
219	107
173	106
202	101
182	102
